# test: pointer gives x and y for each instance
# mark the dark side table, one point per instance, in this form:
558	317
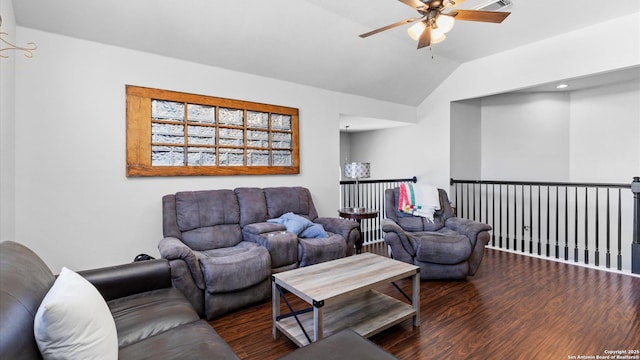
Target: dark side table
358	214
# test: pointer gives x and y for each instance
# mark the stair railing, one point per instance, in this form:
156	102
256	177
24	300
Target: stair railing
590	223
369	195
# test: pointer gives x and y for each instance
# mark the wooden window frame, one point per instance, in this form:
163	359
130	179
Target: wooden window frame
139	135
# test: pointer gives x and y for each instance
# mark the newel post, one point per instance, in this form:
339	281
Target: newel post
635	246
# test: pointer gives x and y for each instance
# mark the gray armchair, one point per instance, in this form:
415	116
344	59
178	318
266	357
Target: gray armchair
447	248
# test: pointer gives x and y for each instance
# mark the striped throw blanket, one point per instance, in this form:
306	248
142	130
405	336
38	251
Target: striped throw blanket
419	200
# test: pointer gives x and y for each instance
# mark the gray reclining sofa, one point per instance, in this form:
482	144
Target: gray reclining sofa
223	245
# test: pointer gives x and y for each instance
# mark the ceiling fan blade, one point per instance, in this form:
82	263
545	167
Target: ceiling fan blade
391	26
413	3
425	38
480	15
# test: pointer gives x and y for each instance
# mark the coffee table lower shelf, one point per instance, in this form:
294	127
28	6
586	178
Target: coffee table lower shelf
367	314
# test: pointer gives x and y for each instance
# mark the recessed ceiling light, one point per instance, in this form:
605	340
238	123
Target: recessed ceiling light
562	86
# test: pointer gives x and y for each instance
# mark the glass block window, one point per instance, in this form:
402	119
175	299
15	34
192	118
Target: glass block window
172	134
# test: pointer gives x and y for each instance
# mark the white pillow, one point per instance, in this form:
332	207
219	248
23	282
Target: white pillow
74	322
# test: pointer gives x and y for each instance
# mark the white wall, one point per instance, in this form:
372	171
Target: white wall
466	140
579	136
605	123
7	123
74	204
345	151
525	137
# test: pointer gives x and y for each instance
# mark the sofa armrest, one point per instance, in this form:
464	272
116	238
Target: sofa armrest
388	225
282	245
263	227
172	248
398	238
337	225
182	280
348	229
467	227
118	281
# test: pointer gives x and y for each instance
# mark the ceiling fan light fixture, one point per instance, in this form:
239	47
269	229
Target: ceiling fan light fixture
416	30
445	23
437	23
437	36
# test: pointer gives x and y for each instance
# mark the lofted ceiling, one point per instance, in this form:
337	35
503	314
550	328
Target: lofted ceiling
311	42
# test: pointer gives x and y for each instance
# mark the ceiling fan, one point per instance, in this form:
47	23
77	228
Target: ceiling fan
433	23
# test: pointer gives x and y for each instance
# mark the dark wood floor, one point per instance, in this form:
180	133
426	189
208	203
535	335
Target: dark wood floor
515	307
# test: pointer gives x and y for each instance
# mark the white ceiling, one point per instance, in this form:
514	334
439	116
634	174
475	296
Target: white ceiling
354	123
312	42
587	82
358	123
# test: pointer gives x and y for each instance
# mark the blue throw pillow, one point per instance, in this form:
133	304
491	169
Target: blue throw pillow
314	231
294	223
300	226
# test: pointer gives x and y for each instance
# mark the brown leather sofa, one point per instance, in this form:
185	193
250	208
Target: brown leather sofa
153	320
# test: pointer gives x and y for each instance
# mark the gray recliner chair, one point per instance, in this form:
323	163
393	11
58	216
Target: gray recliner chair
447	248
210	262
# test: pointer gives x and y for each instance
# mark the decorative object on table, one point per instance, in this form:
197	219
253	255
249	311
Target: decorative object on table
357	170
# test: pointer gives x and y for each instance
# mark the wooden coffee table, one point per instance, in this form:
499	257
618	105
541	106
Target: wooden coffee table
341	293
